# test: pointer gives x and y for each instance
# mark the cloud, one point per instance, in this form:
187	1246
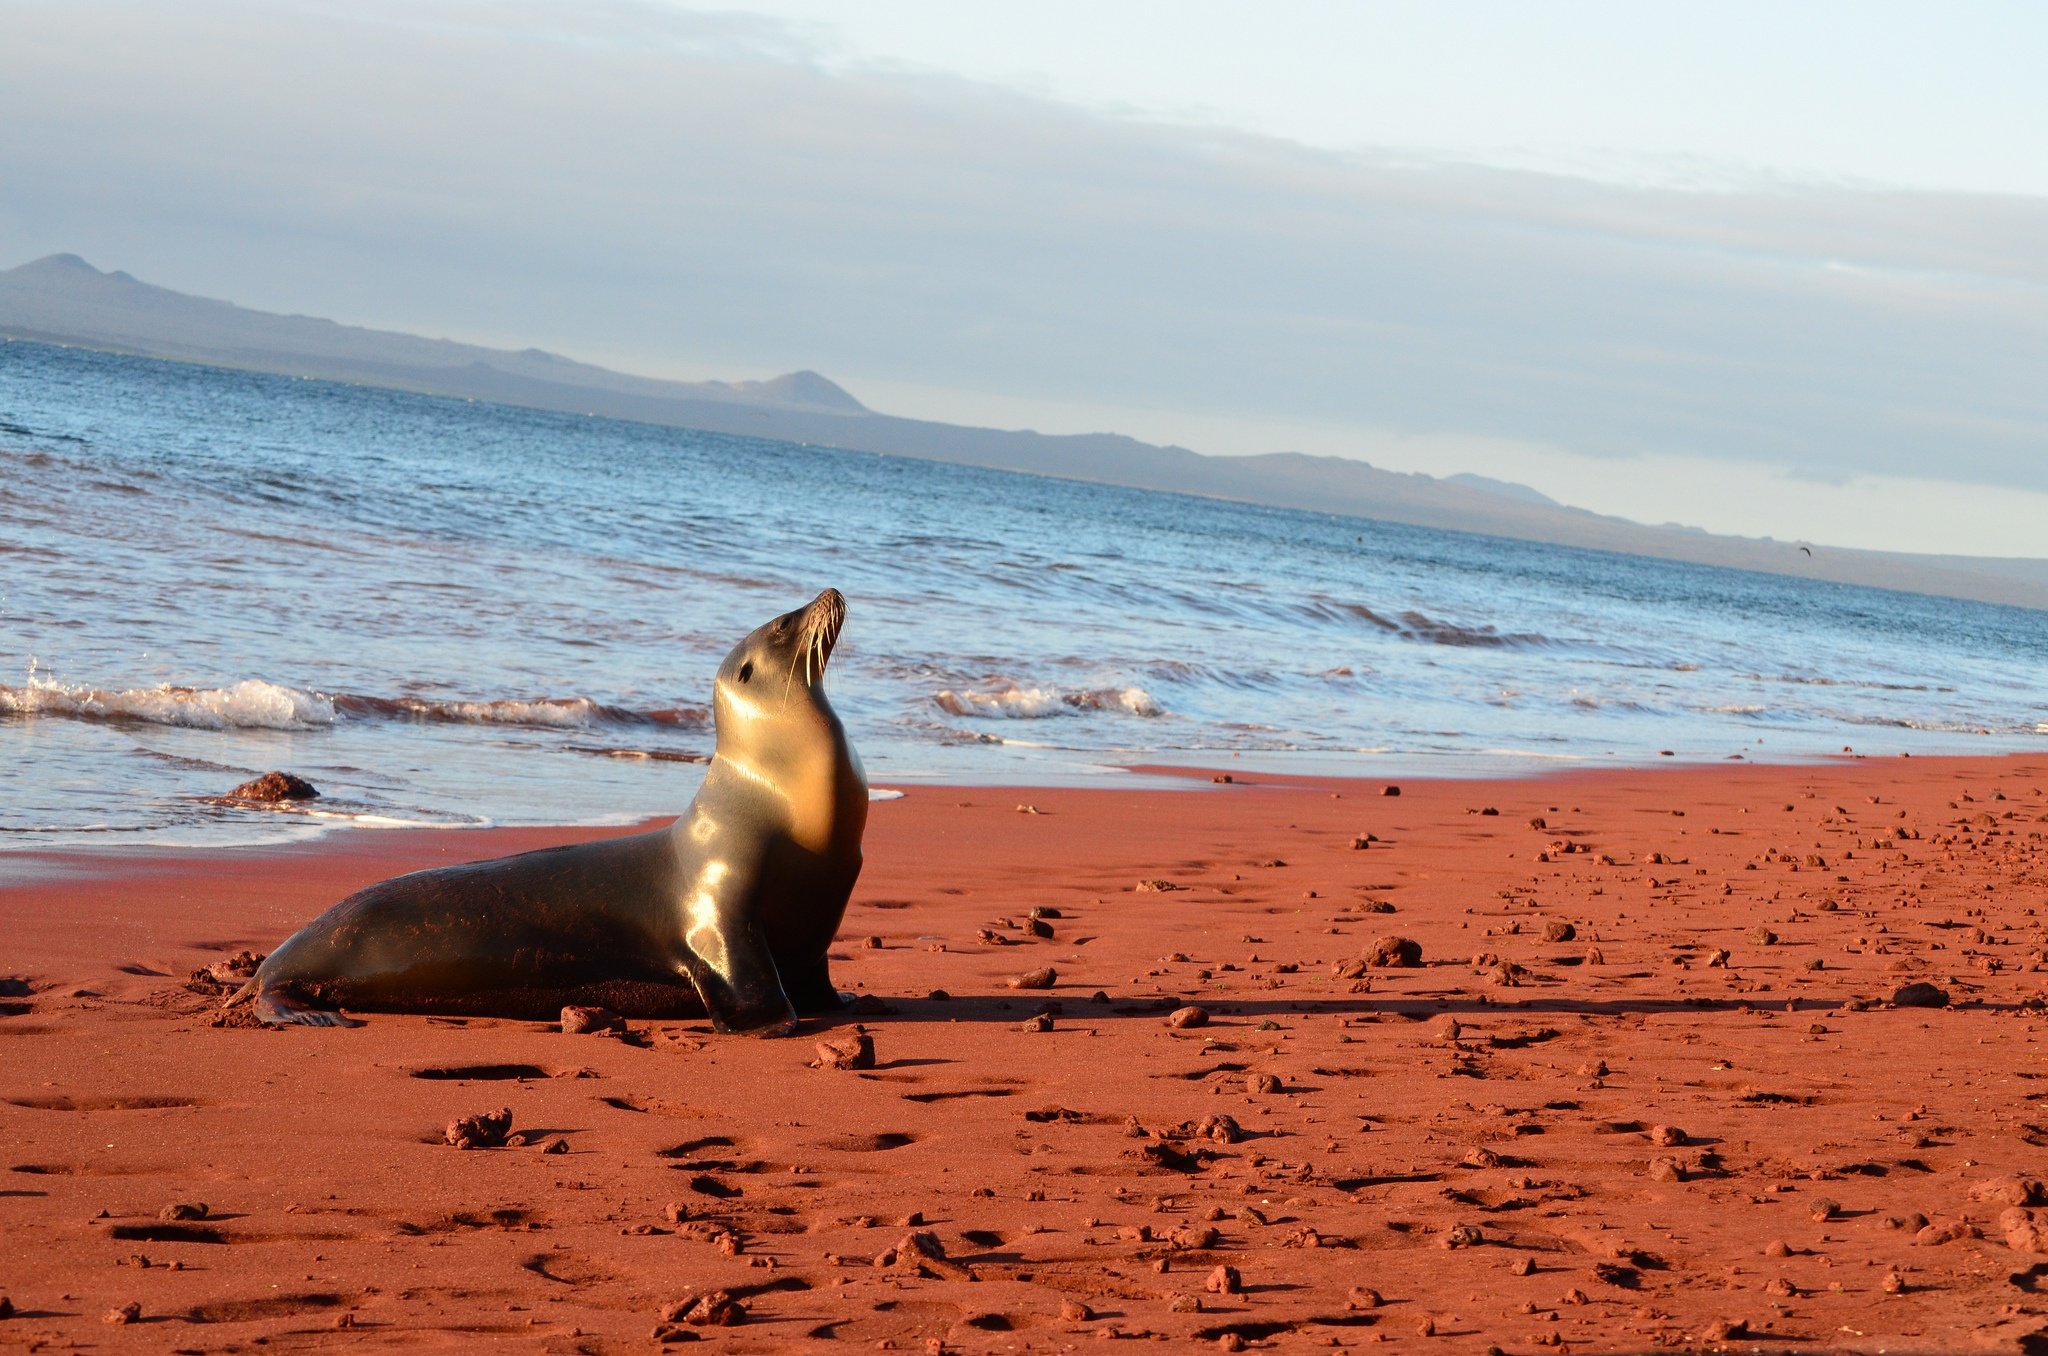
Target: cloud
693	193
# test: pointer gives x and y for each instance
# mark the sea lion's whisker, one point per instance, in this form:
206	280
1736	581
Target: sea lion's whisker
789	679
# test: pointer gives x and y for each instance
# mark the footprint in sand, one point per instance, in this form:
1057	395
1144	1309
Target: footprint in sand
692	1147
268	1307
78	1170
484	1072
866	1144
655	1106
567	1268
61	1103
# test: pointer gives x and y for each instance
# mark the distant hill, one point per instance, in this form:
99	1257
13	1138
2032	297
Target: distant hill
1506	487
64	300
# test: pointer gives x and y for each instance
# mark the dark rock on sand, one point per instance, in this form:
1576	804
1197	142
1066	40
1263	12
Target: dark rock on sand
855	1050
1395	951
1919	994
273	787
2010	1191
713	1309
486	1130
582	1021
921	1254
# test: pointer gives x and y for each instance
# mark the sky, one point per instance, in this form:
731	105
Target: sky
1762	268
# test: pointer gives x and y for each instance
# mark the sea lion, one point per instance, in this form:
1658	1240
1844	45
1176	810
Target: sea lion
731	907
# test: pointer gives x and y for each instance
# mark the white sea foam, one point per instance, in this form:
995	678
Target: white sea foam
254	704
550	713
571	713
1036	703
251	704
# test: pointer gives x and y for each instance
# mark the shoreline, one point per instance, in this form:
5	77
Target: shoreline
1616	1105
317	824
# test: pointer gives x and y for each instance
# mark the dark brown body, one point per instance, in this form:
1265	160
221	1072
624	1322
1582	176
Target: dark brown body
730	910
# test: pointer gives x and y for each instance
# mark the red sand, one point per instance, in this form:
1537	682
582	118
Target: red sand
1460	1155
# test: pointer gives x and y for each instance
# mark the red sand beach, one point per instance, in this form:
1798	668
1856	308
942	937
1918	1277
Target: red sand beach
1646	1087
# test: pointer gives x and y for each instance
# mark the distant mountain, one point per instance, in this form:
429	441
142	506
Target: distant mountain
64	300
1502	487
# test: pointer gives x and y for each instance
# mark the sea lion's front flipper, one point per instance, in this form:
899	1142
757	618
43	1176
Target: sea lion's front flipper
742	992
277	1005
810	988
726	957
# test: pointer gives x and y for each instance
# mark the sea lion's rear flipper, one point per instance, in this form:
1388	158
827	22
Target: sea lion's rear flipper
277	1005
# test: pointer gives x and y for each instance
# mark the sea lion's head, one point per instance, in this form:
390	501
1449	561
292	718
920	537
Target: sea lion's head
780	667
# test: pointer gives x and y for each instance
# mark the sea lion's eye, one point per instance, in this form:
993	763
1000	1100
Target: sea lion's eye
746	670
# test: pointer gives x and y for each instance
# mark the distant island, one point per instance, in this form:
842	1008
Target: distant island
62	299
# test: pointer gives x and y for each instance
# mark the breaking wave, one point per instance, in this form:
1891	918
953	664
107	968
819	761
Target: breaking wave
1036	703
251	704
1420	626
1417	626
551	713
254	704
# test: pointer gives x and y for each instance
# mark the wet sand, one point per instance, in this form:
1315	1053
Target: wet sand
1644	1087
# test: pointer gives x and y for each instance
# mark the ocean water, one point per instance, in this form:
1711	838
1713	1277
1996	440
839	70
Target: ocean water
445	612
